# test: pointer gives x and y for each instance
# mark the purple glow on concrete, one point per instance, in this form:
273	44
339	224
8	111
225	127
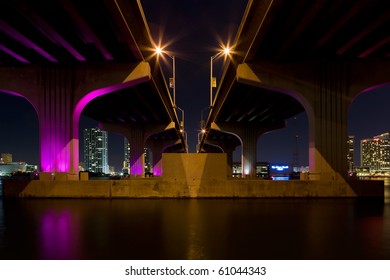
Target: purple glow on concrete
157	171
375	47
137	169
53	35
19	95
59	235
13	33
374	87
88	98
55	145
13	54
86	33
100	92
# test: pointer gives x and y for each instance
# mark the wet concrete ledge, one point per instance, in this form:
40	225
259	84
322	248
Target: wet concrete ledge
174	188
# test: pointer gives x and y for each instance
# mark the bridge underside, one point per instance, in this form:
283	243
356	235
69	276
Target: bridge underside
138	106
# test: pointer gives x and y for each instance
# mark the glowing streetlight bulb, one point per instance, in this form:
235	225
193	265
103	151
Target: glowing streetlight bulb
226	51
158	50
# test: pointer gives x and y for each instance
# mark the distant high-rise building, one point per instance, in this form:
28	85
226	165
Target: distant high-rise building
375	153
148	165
6	158
126	153
350	153
95	150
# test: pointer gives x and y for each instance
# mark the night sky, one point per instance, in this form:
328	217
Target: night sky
192	30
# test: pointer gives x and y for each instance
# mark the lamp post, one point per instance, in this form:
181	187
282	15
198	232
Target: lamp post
213	82
172	84
172	81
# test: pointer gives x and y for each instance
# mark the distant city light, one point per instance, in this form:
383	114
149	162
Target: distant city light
280	167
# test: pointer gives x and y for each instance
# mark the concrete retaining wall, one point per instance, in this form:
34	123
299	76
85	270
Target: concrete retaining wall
189	176
162	188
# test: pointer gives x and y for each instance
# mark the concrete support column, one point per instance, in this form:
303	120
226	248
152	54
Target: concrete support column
49	88
248	136
249	151
229	158
57	144
137	136
156	149
137	155
328	129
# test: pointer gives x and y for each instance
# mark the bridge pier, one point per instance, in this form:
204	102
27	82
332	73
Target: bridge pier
138	136
325	90
58	94
248	136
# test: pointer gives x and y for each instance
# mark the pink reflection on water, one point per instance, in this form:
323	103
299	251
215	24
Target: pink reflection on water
59	235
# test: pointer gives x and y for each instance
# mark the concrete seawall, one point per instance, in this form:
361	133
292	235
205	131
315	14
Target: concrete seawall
188	176
162	188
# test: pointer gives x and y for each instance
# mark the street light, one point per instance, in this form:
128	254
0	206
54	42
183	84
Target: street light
213	82
172	81
172	84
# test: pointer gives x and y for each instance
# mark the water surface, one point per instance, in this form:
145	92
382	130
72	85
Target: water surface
195	229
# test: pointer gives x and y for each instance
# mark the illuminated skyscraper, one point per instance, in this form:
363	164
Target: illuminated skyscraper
375	153
147	154
95	150
350	153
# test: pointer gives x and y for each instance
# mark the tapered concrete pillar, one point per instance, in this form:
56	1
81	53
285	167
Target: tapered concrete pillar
137	154
248	135
49	89
57	144
328	128
157	148
137	136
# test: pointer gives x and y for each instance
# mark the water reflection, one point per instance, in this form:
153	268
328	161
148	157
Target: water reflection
195	229
59	235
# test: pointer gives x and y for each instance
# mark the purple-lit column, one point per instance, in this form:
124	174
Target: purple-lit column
57	144
137	154
135	134
49	90
156	148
